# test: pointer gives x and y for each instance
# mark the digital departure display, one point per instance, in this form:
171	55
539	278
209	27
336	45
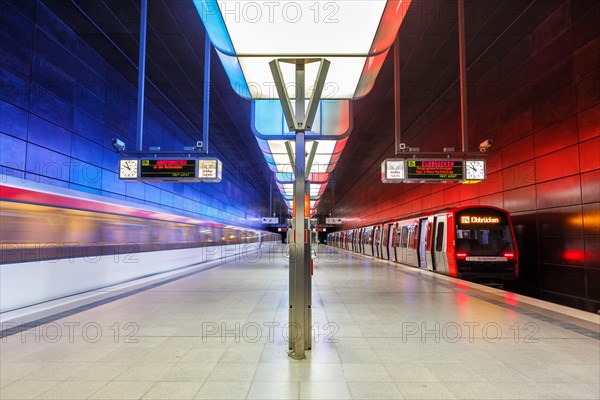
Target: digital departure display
434	170
162	169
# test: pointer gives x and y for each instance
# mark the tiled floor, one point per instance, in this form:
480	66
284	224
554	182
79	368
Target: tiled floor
384	332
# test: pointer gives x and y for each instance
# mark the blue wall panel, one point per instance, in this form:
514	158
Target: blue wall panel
17	26
49	135
14	56
50	107
14	88
13	151
52	80
13	120
61	103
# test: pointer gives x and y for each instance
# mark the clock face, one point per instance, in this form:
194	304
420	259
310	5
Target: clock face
475	169
128	169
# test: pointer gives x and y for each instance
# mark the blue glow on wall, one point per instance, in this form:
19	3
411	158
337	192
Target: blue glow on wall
61	103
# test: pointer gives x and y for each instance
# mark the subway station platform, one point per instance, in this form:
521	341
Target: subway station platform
382	331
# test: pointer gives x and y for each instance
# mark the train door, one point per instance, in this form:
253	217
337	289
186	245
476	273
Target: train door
376	246
422	243
369	235
428	240
383	241
380	241
438	245
376	241
394	242
361	234
386	241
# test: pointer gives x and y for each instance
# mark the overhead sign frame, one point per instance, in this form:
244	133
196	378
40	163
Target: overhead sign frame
433	170
173	169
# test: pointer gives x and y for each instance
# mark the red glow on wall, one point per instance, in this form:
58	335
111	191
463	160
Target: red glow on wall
573	255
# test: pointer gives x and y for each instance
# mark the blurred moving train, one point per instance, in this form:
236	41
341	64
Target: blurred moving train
466	242
58	242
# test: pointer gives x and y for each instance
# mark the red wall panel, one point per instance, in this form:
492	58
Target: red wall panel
589	155
518	152
520	199
557	165
590	187
559	192
554	109
589	123
591	219
555	137
520	175
587	59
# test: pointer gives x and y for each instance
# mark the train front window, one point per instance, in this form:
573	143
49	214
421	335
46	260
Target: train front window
484	241
483	232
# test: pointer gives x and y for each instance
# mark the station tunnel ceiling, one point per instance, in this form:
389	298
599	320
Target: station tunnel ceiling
429	73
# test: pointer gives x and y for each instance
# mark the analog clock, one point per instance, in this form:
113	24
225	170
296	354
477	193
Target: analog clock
475	169
128	169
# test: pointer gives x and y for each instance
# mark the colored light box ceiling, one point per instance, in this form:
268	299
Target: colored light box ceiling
331	129
354	35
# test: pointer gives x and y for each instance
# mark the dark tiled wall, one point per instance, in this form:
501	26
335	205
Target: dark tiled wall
60	106
541	105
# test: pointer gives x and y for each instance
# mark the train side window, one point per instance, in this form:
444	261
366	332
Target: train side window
428	237
415	238
404	236
439	239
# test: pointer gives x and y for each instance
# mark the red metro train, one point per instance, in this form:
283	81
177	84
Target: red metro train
467	242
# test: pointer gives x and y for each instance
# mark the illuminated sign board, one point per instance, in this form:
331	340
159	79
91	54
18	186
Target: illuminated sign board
471	219
168	169
434	170
210	170
392	170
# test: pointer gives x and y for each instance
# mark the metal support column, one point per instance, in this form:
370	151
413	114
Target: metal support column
307	277
300	120
298	293
299	299
270	195
463	76
206	105
397	94
139	138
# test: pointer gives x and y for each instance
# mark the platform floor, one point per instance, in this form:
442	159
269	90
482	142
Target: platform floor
384	332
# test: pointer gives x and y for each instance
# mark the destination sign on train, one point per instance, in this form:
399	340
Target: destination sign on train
475	219
434	170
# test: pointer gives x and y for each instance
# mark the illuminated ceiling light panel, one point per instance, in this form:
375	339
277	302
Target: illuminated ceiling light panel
354	35
332	119
331	130
316	190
